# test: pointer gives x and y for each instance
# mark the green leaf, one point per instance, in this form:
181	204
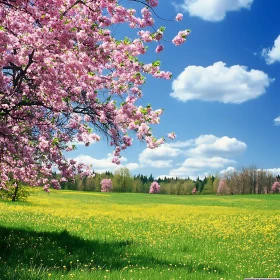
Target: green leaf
55	141
156	63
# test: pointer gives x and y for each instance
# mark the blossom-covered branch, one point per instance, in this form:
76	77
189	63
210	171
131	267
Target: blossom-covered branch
65	76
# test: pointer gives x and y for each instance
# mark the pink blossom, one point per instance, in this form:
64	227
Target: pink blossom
153	3
223	187
172	135
145	36
275	187
43	144
69	148
181	37
154	188
158	35
179	17
87	118
159	48
106	185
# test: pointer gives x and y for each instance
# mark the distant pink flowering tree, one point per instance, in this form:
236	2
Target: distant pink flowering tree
275	187
106	185
223	187
194	191
65	77
154	188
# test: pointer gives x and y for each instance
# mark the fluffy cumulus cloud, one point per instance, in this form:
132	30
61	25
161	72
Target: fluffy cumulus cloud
214	10
230	169
182	144
161	157
192	167
274	171
217	82
277	121
206	154
210	145
105	164
203	163
272	55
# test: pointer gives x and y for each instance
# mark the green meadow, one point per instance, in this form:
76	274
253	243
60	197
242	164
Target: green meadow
80	235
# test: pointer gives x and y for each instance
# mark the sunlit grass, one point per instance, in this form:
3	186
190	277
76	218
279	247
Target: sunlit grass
78	235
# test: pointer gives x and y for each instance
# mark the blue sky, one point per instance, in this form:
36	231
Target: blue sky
223	100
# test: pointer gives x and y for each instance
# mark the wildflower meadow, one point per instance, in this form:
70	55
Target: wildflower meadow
82	235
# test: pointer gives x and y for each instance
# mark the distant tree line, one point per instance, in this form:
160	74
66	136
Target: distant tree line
123	181
245	181
248	181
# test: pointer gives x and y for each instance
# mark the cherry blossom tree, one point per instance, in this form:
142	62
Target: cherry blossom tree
275	187
154	188
65	77
106	185
223	187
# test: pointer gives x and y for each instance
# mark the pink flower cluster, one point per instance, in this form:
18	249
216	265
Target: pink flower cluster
171	135
153	3
275	187
223	187
159	48
181	37
106	185
154	188
179	17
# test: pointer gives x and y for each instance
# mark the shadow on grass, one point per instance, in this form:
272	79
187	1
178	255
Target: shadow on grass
30	255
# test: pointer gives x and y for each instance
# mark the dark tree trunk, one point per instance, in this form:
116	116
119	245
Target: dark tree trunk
15	193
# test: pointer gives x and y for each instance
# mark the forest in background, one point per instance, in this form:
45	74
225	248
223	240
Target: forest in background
245	181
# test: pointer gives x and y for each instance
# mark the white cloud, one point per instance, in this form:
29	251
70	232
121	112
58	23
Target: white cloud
272	55
274	171
204	155
277	121
213	10
230	169
181	144
132	166
160	157
205	139
220	83
105	164
194	167
198	155
202	163
210	145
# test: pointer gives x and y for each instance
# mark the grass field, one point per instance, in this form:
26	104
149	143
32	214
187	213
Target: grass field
78	235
